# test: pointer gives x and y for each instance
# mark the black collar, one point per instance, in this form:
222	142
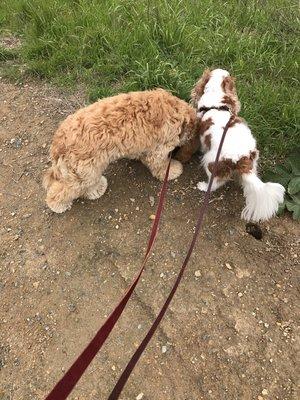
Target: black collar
221	108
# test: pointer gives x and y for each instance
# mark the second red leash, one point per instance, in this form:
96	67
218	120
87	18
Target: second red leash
136	356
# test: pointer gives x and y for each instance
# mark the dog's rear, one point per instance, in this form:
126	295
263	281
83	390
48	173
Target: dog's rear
262	199
51	176
60	186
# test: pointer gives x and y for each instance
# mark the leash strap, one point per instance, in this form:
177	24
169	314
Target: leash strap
133	361
64	387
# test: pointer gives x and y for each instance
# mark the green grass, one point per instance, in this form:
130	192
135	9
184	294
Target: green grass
122	45
7	54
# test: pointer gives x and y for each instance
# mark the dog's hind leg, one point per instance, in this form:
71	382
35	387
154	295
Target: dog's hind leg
93	183
97	190
65	184
217	182
61	194
62	186
157	161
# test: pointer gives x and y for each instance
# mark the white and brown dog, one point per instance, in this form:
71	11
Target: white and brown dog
216	101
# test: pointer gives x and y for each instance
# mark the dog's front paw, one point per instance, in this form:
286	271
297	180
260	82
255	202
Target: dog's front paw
176	169
202	186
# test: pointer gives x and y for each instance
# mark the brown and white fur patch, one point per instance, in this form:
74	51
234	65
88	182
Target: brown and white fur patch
216	99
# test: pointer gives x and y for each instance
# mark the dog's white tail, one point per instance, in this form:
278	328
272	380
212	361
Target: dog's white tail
262	199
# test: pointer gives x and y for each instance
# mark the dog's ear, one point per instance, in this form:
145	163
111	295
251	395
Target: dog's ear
228	85
230	95
198	90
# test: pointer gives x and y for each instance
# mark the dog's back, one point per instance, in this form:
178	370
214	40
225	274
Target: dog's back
130	120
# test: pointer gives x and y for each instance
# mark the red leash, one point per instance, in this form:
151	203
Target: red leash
134	359
64	387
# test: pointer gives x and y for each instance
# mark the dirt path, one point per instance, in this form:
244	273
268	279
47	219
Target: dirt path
231	332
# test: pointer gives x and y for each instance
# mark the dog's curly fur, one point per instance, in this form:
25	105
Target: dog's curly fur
142	125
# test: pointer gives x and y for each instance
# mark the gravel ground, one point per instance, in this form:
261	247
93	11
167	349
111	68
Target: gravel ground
231	331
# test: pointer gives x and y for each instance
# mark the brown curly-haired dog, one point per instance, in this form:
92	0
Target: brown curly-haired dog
142	125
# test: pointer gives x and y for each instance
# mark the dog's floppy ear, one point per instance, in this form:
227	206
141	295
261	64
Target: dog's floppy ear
228	85
198	90
230	95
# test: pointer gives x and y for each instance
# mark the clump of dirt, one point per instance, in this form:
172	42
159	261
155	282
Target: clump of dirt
231	331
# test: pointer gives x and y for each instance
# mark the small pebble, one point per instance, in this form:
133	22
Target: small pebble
240	294
152	217
197	274
264	392
151	201
71	307
164	349
227	265
140	396
16	142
